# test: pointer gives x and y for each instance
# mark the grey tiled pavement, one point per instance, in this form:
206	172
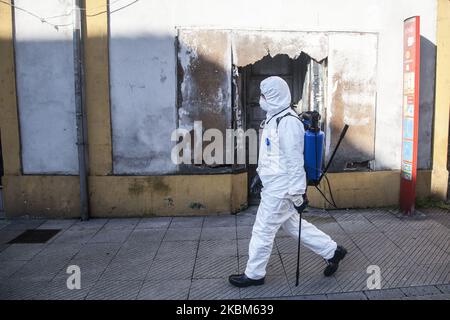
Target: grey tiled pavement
191	258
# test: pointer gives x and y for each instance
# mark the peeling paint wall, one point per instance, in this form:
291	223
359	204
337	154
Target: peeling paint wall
352	60
251	46
46	89
352	65
204	79
142	48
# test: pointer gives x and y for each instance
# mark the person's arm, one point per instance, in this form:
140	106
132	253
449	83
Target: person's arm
292	135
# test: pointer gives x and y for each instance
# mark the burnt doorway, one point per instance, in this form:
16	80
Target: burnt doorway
293	71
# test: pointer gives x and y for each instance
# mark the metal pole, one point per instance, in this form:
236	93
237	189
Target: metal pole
300	211
343	132
297	275
80	110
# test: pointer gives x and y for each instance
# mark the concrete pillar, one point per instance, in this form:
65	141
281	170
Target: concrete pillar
9	122
97	87
439	179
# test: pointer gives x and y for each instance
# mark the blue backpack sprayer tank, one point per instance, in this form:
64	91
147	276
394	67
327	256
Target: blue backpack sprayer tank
313	146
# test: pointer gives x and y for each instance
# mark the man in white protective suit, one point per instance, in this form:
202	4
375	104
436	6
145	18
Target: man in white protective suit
282	173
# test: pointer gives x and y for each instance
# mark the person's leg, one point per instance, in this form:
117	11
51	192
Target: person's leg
272	212
317	241
313	238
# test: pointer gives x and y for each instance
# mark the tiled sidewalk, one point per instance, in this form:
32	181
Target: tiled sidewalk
191	258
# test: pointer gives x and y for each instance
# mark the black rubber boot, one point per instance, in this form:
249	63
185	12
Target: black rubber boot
333	263
241	281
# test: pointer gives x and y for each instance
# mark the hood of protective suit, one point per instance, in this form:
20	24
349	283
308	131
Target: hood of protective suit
277	95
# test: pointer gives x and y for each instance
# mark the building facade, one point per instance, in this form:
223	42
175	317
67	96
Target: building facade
152	67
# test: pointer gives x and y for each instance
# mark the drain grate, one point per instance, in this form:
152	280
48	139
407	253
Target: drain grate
35	236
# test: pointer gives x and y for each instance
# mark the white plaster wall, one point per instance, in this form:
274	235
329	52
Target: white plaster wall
45	88
142	77
142	49
351	97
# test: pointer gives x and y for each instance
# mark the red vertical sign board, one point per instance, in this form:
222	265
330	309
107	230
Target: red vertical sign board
410	118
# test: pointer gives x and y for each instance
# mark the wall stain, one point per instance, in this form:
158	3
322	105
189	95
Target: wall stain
196	205
169	202
135	188
162	76
158	184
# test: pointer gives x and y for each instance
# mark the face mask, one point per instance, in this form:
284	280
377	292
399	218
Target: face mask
263	104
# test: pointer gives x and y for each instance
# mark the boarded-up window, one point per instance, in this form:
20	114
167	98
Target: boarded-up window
344	94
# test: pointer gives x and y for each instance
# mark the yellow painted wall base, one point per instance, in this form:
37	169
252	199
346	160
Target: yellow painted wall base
439	179
42	196
126	196
184	195
366	189
117	196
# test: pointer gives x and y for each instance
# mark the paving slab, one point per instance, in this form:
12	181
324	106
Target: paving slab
420	291
154	223
217	289
347	296
171	249
385	294
186	222
274	286
215	267
19	251
220	221
176	268
57	289
111	235
182	234
217	233
165	290
115	290
212	248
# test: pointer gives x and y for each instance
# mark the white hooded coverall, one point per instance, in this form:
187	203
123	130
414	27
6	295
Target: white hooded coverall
281	169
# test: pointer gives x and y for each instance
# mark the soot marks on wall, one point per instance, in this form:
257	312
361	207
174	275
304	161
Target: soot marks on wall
206	59
251	46
204	79
203	86
351	98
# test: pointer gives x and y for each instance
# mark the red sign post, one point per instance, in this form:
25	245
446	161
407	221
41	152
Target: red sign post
410	123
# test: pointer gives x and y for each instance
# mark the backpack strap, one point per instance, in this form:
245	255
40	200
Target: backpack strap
267	122
286	115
